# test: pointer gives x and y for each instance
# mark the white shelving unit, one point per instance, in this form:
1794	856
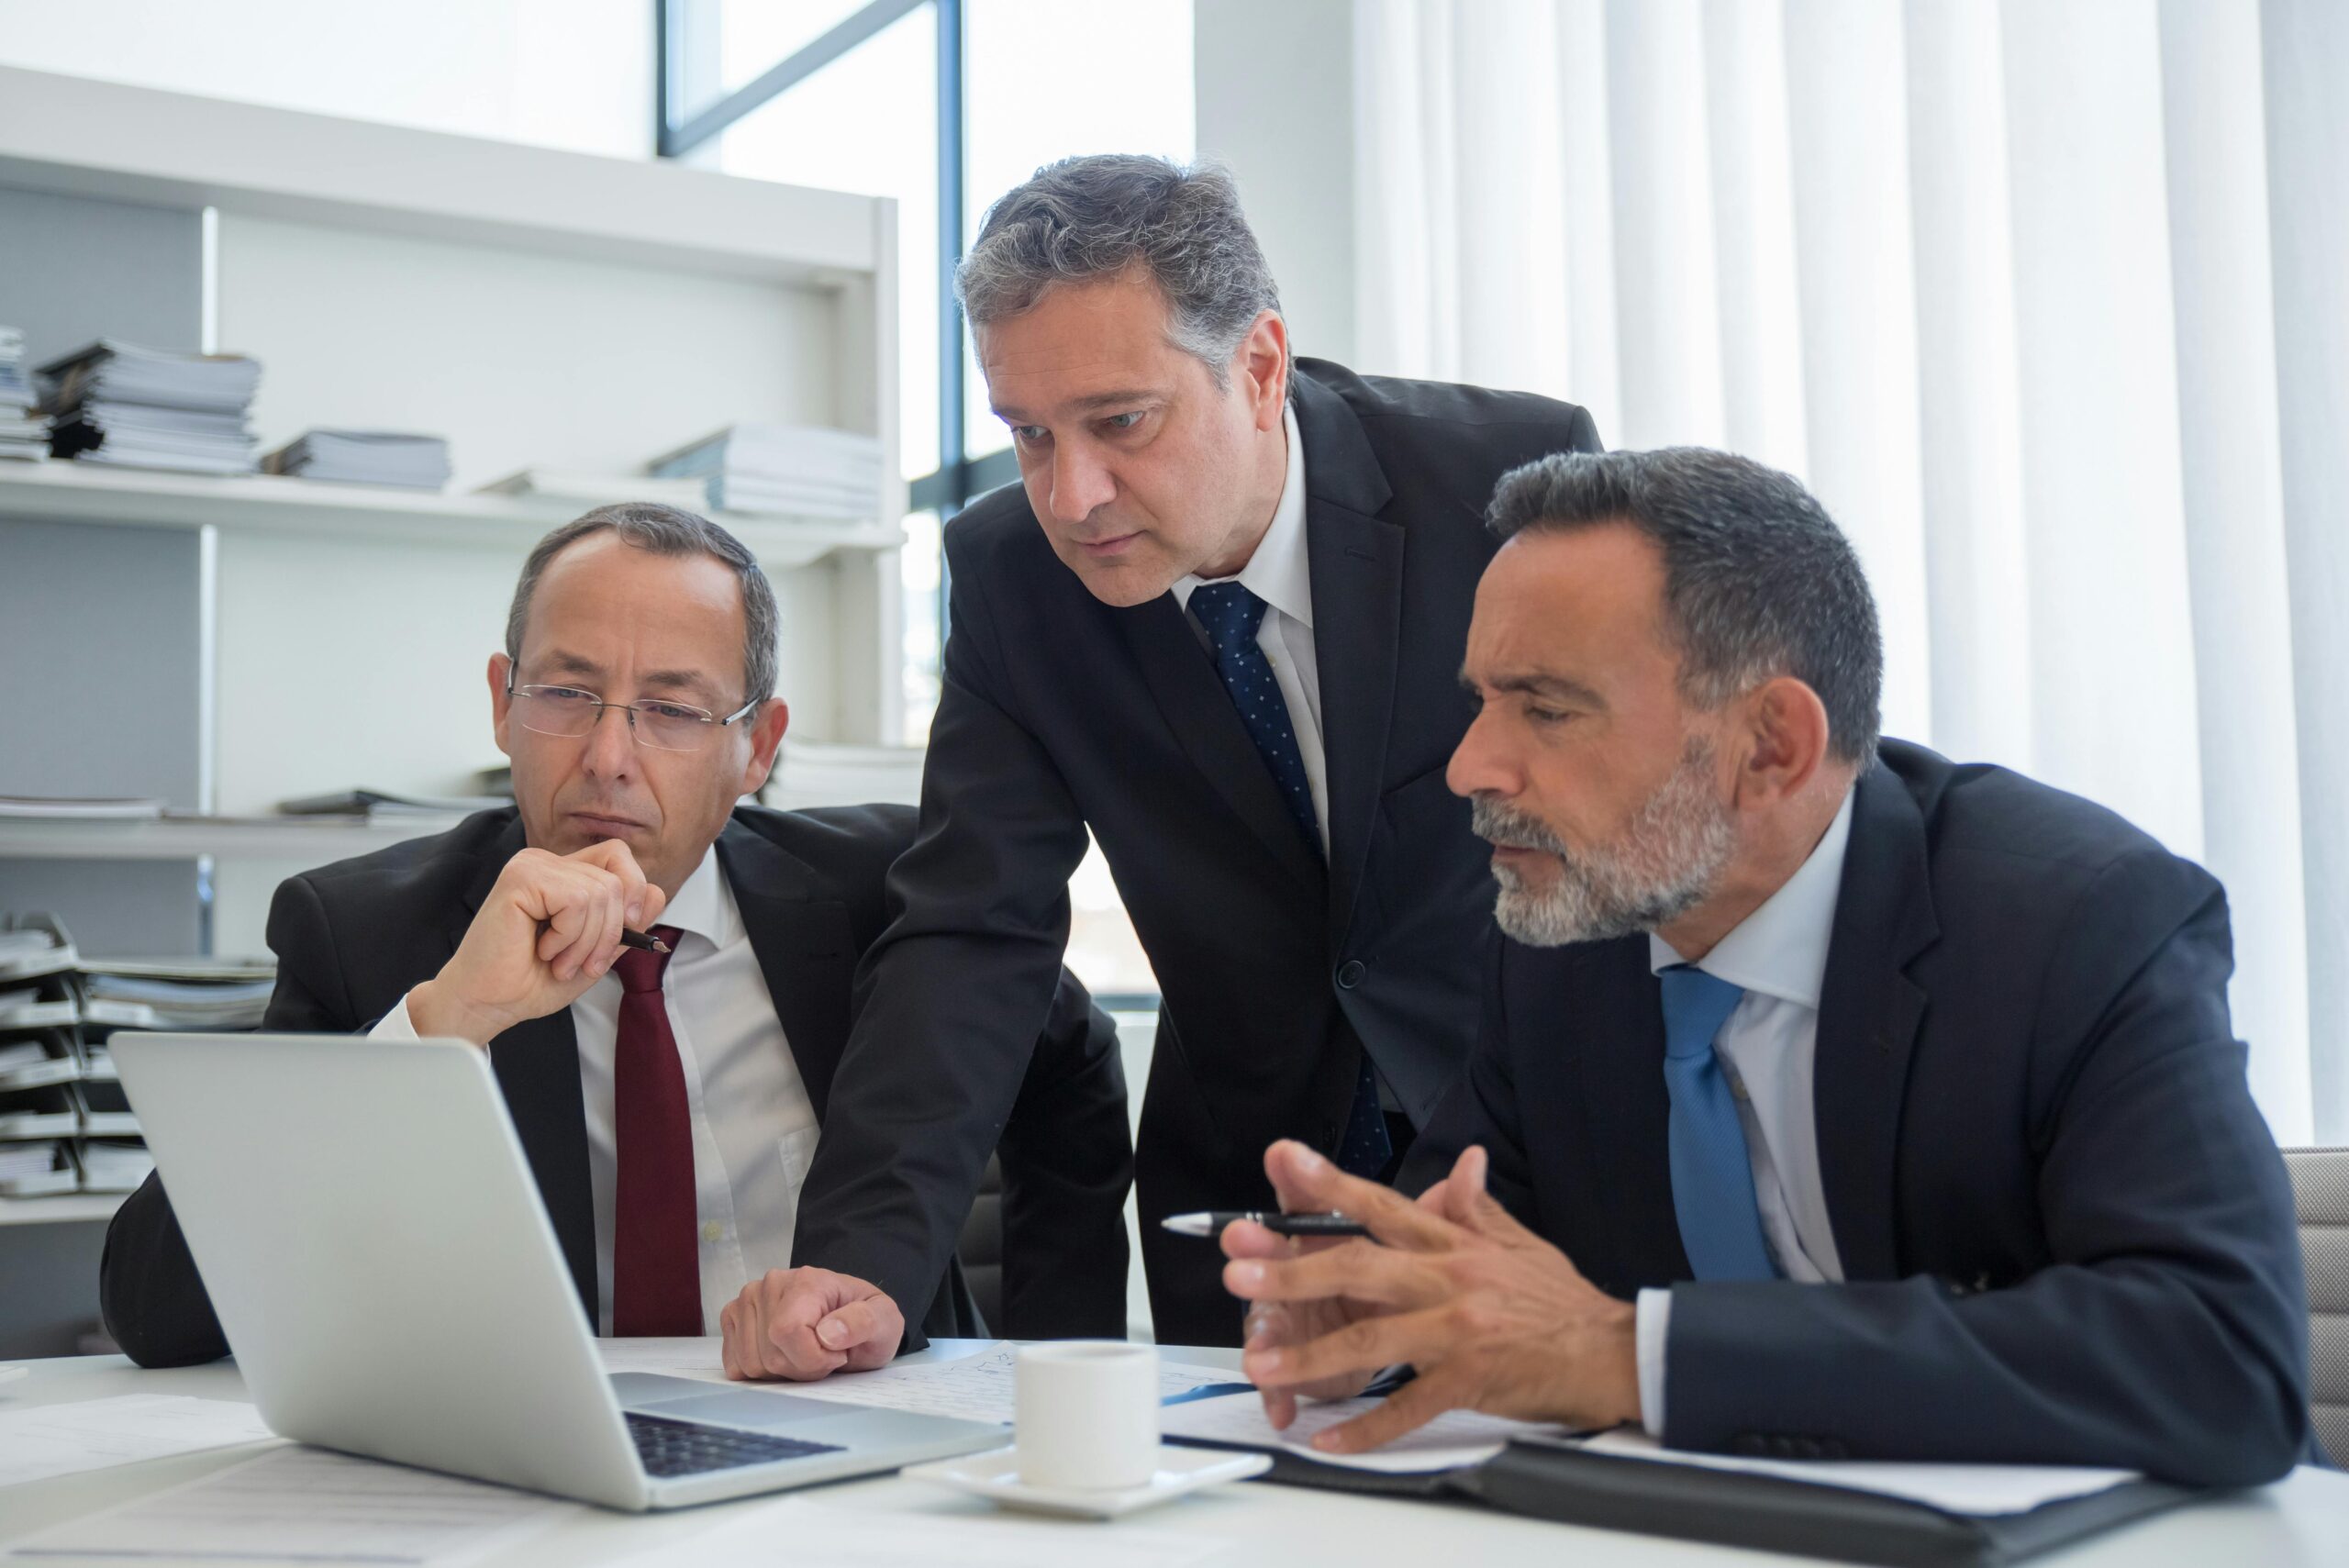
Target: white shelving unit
270	638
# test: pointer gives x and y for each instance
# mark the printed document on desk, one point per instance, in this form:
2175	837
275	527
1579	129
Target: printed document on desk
304	1505
976	1388
43	1440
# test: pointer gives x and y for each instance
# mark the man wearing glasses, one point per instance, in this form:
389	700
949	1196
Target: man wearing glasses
668	1098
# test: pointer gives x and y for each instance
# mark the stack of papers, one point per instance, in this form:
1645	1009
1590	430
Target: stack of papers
137	1002
24	434
78	809
115	1167
29	950
116	403
793	469
364	457
35	1170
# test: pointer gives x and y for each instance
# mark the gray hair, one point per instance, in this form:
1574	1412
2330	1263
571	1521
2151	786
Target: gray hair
1086	218
666	530
1758	580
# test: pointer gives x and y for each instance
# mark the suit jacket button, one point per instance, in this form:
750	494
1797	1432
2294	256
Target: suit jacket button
1349	974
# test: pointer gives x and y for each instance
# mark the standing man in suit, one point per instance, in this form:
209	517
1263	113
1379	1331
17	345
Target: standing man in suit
1216	626
668	1103
1833	1100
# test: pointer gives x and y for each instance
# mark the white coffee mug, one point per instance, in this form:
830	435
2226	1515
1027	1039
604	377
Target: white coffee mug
1088	1413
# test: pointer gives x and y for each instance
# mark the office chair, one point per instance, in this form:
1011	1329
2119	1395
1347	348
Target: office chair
2320	1194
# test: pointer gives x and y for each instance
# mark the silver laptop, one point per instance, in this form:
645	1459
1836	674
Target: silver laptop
388	1280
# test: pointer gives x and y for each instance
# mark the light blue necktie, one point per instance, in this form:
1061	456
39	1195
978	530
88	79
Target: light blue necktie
1712	1181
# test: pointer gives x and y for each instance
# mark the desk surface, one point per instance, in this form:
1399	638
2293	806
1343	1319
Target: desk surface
2303	1520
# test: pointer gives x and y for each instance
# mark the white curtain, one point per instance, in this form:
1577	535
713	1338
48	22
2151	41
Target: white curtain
2048	301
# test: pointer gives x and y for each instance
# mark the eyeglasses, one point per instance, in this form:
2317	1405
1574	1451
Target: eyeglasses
568	712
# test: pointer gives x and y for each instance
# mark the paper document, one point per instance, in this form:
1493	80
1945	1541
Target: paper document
306	1504
1452	1439
797	1531
58	1439
1957	1488
975	1387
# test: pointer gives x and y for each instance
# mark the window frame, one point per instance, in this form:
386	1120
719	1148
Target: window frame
958	478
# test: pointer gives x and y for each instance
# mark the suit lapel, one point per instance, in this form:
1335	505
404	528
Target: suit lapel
1355	563
537	1063
1627	1111
805	948
1180	673
1869	1011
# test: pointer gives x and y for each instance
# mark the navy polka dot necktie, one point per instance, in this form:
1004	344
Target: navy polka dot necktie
1231	616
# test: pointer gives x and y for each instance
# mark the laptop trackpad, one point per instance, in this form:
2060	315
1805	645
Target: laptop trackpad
686	1400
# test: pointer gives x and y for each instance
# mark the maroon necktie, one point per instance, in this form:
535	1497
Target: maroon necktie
656	1257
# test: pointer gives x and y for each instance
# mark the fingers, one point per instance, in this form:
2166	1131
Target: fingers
866	1331
1357	1270
1413	1405
1356	1351
770	1329
615	857
1266	1326
1306	1181
581	906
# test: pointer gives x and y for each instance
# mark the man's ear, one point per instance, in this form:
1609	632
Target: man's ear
767	728
1261	364
501	704
1787	739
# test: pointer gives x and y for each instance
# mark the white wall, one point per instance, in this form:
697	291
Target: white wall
1275	88
569	73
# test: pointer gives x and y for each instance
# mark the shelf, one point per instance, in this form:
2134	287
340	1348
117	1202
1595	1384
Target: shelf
61	1209
139	144
272	504
315	840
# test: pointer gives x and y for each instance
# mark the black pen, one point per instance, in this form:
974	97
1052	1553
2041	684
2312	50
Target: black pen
1212	1224
629	938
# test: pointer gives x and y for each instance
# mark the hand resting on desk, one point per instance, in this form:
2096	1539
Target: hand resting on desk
805	1323
1493	1318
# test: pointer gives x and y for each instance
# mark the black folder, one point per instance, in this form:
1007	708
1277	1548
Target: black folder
1558	1480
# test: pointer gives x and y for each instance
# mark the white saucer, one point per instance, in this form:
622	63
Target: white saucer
995	1475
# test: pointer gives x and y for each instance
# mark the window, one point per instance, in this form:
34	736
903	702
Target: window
943	104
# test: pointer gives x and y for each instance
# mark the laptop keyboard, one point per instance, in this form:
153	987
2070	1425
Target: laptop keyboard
670	1448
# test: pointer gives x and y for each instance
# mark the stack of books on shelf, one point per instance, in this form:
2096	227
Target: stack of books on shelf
795	470
116	403
23	433
65	1125
363	457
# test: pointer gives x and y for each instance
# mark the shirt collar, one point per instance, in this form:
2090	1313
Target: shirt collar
1279	572
1780	950
704	906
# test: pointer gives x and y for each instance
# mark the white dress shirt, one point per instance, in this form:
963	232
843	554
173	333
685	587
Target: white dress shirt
1766	1047
1279	572
753	1124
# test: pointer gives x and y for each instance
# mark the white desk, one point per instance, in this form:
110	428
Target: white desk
2301	1522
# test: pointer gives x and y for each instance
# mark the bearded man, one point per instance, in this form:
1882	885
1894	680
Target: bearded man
1833	1100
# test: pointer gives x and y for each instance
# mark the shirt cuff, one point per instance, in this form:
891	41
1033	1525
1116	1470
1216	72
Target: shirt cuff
1655	1328
397	1024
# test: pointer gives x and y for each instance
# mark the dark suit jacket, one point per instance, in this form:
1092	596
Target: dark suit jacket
352	938
1060	713
2066	1235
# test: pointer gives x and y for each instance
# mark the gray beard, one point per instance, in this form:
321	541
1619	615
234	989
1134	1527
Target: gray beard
1666	864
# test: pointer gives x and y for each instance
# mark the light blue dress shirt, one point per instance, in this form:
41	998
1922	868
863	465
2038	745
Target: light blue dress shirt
1779	954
